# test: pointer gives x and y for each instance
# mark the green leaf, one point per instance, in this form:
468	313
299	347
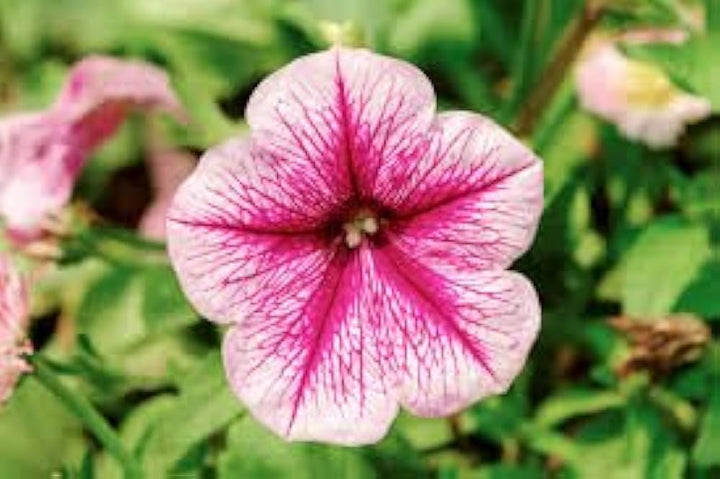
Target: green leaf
706	451
526	62
701	296
712	10
135	431
429	21
254	452
240	20
700	196
636	445
564	141
205	406
30	26
110	312
576	402
500	417
661	264
628	14
37	433
395	456
504	471
423	433
164	306
135	335
209	125
550	443
494	29
41	84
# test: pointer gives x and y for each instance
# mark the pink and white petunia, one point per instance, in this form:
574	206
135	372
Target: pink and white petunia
42	153
356	244
14	322
638	97
168	169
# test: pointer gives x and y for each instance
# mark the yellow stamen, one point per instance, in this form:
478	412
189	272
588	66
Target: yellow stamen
648	86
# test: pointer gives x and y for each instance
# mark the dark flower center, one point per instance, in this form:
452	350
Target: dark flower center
355	223
364	223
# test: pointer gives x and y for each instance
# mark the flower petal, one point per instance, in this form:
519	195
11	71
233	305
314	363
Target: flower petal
344	112
100	90
472	201
330	356
14	322
168	170
35	162
309	364
239	223
458	337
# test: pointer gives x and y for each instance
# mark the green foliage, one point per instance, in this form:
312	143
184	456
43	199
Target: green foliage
35	421
705	452
277	458
661	265
203	407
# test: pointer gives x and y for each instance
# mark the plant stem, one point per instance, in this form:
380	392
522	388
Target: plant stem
555	72
712	9
120	248
494	29
88	415
524	62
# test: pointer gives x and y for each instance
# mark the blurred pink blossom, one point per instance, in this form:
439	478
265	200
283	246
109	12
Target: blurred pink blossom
14	319
356	243
168	169
42	153
638	97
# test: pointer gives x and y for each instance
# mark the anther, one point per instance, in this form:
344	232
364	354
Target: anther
356	229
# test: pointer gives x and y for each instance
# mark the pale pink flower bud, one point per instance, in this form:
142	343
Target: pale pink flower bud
168	169
14	319
638	97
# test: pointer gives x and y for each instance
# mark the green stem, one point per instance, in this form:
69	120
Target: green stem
562	105
556	71
524	63
89	416
712	9
119	248
472	86
494	29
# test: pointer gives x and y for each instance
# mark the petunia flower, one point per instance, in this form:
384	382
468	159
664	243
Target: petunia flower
637	96
42	153
356	245
168	169
14	318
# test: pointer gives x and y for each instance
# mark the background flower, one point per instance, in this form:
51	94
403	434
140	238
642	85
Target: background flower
168	169
43	153
14	324
638	97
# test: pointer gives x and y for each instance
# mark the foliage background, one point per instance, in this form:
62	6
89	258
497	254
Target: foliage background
626	231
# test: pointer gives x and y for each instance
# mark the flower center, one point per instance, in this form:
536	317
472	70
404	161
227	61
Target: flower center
647	86
363	223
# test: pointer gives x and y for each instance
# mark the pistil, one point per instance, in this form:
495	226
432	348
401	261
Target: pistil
355	230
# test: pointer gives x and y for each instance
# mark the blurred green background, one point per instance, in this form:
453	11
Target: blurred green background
626	232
